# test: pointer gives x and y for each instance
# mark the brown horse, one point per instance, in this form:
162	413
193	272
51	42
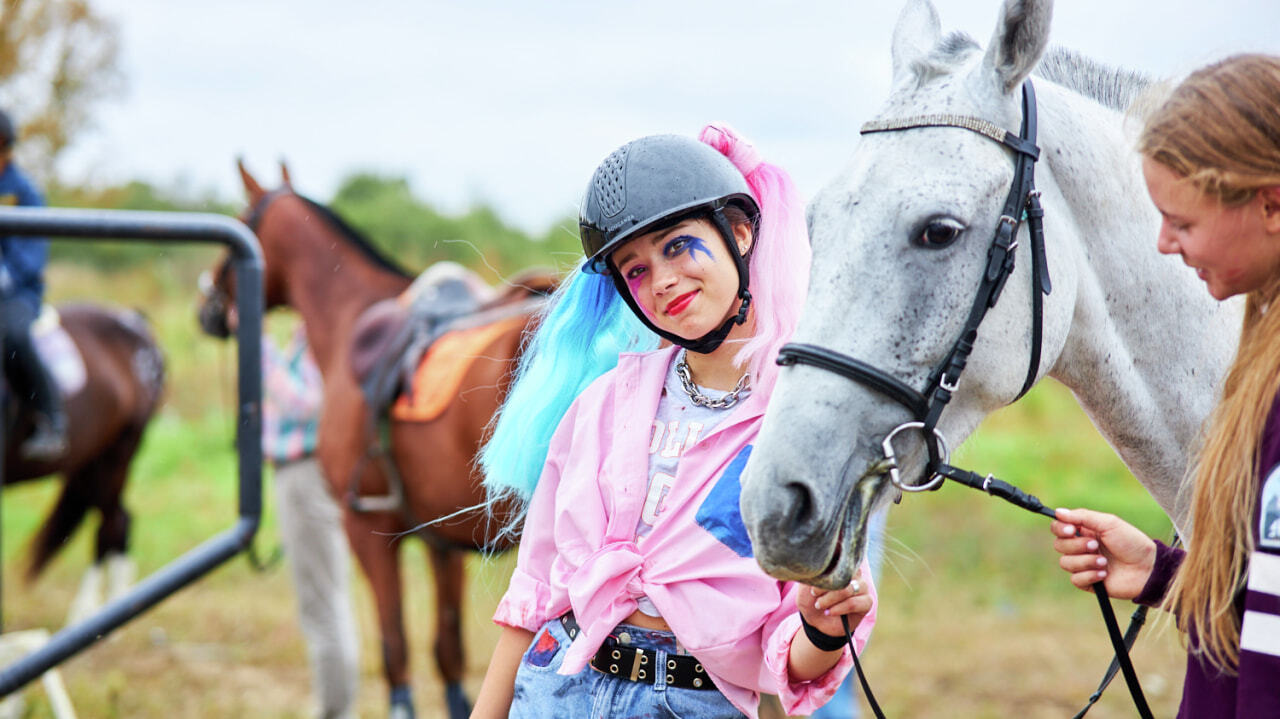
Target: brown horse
108	413
329	274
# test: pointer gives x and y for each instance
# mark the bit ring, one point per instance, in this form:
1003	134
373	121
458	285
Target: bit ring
894	477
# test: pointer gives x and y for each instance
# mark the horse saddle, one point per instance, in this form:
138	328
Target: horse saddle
392	342
58	351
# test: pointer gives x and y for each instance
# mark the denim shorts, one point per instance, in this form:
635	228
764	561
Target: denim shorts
589	694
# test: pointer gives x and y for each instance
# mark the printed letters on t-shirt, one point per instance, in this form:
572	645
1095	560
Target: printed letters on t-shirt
670	441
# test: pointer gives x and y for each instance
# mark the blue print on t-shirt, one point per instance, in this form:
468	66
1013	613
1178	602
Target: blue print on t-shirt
719	513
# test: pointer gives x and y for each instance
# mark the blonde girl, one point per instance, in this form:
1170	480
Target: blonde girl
1211	160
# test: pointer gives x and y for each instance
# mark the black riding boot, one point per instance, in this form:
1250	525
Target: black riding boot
34	386
49	439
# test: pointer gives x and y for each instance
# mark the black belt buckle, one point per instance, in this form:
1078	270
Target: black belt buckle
639	665
630	663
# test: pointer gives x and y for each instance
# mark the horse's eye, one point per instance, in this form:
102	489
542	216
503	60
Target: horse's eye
939	233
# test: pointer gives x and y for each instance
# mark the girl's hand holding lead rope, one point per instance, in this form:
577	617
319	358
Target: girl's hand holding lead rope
1102	547
822	608
817	646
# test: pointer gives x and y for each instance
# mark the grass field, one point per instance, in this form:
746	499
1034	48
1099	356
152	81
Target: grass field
976	620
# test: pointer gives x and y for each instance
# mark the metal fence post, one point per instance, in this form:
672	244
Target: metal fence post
246	258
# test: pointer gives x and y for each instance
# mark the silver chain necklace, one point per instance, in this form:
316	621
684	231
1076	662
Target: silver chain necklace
700	399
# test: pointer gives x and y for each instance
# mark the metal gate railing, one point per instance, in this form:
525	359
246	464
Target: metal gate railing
246	259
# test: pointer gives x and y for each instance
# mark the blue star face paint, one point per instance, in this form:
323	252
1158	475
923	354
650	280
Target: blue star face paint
670	283
687	243
672	249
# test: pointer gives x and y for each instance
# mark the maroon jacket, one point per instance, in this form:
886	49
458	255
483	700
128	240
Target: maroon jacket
1255	690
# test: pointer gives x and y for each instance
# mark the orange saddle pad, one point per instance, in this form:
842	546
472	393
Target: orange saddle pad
440	371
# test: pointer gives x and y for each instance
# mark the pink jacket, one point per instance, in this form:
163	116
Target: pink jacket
579	551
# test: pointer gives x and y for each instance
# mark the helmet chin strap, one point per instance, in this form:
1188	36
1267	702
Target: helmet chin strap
712	340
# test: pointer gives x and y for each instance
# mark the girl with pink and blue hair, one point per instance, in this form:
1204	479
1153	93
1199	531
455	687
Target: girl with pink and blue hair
622	442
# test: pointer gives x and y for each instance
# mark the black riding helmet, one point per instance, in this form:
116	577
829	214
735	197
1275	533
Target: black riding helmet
655	182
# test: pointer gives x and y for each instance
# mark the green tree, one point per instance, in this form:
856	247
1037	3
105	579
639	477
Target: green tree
134	195
58	58
415	234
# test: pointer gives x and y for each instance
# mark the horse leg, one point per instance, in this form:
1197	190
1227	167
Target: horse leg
113	532
100	484
88	597
121	573
72	506
379	557
447	566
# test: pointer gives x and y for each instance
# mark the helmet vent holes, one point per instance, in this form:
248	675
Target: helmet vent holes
610	183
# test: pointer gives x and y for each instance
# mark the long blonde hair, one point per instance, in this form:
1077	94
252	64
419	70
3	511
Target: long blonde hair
1220	131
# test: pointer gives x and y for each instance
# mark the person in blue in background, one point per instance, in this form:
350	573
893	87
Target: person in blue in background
22	261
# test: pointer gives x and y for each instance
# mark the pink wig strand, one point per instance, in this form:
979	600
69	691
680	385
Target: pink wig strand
780	255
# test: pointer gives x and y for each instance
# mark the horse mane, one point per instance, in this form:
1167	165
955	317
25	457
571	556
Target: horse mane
1113	87
356	238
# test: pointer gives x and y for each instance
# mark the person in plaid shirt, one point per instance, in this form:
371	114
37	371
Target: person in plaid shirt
310	522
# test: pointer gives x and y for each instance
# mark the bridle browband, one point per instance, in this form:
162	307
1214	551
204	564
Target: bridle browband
1023	203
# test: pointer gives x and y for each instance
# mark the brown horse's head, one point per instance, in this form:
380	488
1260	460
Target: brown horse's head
217	312
217	300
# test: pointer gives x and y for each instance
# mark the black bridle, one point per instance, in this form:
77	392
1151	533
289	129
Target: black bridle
1023	203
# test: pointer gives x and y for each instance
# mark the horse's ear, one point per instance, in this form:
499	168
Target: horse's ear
915	35
251	186
1021	36
284	175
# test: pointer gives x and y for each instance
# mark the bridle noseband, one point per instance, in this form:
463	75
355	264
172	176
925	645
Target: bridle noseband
1022	203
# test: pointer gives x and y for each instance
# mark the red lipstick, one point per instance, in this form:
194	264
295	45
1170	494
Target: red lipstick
680	303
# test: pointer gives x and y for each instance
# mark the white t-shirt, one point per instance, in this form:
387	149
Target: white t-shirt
677	426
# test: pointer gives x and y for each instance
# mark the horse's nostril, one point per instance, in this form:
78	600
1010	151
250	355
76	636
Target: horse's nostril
801	505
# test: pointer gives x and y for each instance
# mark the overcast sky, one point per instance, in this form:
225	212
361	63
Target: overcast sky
514	103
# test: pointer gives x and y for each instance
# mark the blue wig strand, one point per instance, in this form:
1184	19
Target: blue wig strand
579	338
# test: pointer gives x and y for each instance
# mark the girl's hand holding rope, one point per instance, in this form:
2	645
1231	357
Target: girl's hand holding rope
1102	547
822	608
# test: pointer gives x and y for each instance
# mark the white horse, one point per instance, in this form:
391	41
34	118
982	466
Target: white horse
900	240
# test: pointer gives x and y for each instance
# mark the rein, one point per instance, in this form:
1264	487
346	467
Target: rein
1023	203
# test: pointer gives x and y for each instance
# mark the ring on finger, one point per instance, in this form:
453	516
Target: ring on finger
856	586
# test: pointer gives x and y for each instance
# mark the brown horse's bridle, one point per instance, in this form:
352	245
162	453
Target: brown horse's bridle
216	300
213	285
253	217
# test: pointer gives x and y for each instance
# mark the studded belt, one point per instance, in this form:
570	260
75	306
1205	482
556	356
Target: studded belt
640	665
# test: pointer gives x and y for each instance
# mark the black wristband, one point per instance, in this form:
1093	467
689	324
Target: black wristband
822	640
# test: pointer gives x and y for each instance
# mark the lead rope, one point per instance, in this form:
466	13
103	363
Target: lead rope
862	677
1136	620
1031	503
1121	643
